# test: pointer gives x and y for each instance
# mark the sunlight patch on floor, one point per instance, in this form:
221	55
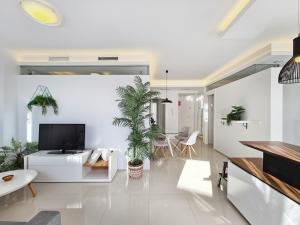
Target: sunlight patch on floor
195	177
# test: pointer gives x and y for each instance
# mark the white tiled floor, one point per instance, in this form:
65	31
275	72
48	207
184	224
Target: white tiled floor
176	191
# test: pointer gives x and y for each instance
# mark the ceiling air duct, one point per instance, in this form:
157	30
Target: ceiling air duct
110	58
58	58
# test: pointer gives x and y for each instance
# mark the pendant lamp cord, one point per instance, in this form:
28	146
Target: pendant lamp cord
167	84
298	17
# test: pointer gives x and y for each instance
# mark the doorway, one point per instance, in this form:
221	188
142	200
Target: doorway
190	112
211	119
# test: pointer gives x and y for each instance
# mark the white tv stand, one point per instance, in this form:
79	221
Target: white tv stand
69	167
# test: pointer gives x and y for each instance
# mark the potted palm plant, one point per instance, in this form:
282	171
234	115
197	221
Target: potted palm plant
134	104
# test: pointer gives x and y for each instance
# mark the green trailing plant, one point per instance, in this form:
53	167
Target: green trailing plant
12	157
44	102
235	114
134	105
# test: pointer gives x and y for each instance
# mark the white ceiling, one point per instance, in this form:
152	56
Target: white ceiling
180	34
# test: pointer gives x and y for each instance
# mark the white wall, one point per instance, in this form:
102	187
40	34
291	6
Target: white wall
205	128
276	107
210	112
291	113
11	70
261	95
1	99
171	110
8	94
81	99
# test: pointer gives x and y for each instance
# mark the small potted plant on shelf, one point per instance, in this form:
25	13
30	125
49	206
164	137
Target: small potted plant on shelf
134	104
44	102
235	114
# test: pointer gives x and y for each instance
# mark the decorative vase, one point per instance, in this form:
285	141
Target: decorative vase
135	172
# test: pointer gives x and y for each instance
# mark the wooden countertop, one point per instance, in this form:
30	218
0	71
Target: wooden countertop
254	166
281	149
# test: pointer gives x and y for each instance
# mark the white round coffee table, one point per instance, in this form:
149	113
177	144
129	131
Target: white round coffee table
21	179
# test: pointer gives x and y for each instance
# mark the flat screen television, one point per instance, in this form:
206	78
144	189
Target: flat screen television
63	137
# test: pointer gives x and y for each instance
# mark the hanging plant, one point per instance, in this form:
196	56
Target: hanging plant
235	114
44	102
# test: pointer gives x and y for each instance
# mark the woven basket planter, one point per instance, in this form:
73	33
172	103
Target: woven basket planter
135	172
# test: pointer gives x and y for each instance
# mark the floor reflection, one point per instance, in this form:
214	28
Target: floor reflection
176	191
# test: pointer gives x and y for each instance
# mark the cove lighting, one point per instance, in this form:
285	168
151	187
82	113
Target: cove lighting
41	12
233	14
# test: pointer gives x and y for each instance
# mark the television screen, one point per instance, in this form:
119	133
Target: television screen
61	136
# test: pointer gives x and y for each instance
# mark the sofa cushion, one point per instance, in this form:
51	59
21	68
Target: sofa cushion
46	218
11	223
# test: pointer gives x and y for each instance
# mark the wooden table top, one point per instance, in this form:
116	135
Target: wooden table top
254	166
281	149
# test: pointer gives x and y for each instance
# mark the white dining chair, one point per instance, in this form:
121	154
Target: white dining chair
163	145
188	145
183	135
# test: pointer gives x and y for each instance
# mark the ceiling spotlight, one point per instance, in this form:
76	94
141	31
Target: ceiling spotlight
41	12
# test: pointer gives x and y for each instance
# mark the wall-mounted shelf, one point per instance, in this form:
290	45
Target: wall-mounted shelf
245	123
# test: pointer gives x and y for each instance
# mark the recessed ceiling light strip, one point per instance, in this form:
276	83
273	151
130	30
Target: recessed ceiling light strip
233	14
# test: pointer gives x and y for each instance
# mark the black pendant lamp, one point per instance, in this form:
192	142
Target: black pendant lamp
166	100
290	73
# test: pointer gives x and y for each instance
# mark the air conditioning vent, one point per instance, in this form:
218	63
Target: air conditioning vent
84	70
248	71
59	58
115	58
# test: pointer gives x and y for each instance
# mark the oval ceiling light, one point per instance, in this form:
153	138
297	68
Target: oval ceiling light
41	12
